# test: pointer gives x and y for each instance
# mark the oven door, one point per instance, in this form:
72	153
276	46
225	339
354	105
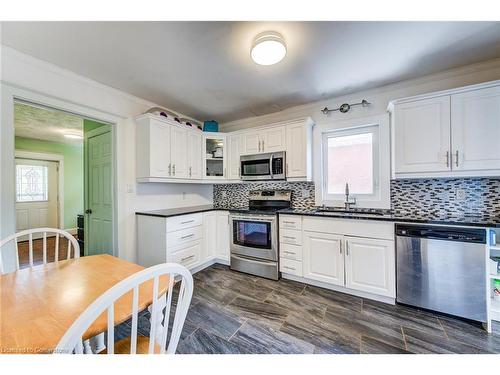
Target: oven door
254	236
255	167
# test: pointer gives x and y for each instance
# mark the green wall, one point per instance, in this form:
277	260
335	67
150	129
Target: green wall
73	173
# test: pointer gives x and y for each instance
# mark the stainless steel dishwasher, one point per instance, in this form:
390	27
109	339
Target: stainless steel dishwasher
443	269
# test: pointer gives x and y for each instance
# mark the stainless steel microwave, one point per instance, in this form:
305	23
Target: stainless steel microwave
270	166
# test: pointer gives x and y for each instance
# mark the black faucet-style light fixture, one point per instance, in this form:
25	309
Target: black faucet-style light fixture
344	108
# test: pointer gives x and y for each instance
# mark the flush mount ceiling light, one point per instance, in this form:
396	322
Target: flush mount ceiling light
268	48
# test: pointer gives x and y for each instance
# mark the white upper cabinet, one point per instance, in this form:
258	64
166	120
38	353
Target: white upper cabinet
422	136
251	144
178	154
448	134
475	119
235	145
274	140
152	148
370	265
264	140
194	143
299	149
322	258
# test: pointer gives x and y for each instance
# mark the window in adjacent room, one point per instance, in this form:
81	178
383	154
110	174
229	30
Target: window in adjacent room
31	183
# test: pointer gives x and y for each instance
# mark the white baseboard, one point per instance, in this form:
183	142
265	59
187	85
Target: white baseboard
357	293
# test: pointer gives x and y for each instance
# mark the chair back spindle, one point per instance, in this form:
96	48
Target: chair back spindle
71	342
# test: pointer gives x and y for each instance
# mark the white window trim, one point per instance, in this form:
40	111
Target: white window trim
375	131
384	150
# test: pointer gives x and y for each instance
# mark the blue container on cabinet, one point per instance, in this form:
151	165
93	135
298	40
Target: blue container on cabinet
211	126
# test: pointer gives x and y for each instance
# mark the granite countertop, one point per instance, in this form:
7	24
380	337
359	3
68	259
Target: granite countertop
463	221
385	216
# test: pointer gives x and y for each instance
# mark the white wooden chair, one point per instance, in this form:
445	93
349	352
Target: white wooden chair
72	243
71	342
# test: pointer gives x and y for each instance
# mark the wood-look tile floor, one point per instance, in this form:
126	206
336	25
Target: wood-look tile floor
236	313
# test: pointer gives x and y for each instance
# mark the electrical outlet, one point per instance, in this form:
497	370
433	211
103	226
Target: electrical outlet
460	194
305	193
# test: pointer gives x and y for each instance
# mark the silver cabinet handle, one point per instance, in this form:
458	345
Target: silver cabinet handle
290	238
190	171
456	158
263	145
448	159
288	222
340	247
186	258
347	248
188	236
173	169
289	268
289	252
169	169
187	222
259	145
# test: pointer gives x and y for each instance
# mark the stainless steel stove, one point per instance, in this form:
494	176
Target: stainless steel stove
254	237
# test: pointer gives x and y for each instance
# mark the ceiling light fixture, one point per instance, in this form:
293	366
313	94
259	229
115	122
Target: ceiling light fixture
268	48
73	136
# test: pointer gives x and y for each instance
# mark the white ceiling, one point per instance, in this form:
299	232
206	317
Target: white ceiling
204	70
46	124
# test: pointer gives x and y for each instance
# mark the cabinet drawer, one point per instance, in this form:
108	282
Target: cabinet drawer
349	227
288	251
291	222
187	256
292	267
181	237
290	236
184	221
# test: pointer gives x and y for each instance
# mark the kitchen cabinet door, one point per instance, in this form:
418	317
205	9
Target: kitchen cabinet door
235	144
251	143
273	139
179	157
223	235
422	136
323	258
475	129
154	149
370	265
194	155
298	159
209	235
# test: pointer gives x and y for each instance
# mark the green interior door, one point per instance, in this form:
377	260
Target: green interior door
99	191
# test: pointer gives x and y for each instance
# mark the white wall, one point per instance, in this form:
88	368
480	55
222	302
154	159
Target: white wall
26	76
378	97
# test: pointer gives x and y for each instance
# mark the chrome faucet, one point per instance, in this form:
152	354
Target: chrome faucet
349	202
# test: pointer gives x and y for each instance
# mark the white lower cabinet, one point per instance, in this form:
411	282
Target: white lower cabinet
355	256
369	265
323	258
191	240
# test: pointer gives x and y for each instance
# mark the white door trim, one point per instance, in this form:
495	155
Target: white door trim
45	156
9	94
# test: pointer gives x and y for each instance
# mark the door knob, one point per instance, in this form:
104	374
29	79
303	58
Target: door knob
88	211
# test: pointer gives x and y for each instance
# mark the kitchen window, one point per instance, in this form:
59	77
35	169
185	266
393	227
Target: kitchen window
351	156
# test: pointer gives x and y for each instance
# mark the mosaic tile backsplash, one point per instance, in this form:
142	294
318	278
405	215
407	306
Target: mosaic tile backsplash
236	195
434	199
427	199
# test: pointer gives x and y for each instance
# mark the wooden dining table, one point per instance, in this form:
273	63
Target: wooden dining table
38	305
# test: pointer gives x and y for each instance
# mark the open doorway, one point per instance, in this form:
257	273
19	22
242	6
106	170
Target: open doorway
64	178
